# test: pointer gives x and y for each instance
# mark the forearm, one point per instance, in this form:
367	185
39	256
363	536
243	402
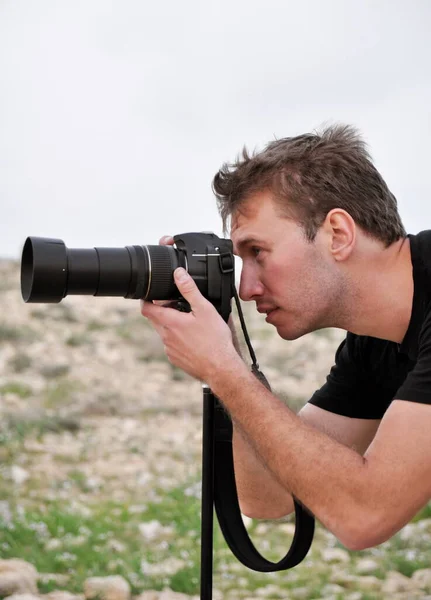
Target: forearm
260	494
327	477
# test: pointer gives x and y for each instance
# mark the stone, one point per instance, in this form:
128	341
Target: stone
339	555
23	597
153	530
170	595
148	595
369	583
5	512
422	578
166	594
397	582
17	577
332	589
18	475
353	596
365	566
62	595
113	587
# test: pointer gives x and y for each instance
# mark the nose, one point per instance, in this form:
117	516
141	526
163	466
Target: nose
249	287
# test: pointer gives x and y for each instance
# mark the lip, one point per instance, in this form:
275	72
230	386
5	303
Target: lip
270	315
266	309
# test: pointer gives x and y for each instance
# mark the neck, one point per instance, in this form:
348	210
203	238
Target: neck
381	298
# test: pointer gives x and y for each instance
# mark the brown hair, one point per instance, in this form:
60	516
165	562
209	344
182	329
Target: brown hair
311	174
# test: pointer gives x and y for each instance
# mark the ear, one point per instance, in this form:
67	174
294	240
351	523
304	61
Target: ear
341	232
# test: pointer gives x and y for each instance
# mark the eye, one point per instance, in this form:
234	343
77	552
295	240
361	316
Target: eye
256	250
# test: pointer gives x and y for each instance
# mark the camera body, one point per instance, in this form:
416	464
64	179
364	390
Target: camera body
50	271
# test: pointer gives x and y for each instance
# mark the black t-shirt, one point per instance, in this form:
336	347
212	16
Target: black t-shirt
369	372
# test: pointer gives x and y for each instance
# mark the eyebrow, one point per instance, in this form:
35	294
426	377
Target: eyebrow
245	242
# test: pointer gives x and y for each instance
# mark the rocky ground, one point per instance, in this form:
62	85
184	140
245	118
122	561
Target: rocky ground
91	410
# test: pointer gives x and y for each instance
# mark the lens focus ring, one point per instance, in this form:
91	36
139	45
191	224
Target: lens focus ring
164	261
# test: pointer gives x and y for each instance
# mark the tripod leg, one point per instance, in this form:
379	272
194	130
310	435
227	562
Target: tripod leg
207	502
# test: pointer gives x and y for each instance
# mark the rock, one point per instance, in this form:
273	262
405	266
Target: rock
113	587
397	582
300	593
331	555
332	589
422	578
353	596
369	583
164	595
61	595
23	597
165	567
17	577
366	566
288	528
170	595
148	595
18	475
153	530
343	578
5	512
248	521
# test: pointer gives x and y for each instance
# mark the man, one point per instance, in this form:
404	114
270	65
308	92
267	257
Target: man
322	245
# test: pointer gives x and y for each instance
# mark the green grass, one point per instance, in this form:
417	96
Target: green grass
60	392
108	542
105	539
14	430
78	339
55	540
88	544
15	387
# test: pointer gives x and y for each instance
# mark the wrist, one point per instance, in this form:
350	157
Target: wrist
228	374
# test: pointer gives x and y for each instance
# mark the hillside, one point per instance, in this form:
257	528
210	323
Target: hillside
100	450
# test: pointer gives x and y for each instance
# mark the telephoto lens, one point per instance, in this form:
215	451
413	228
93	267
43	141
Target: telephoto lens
50	271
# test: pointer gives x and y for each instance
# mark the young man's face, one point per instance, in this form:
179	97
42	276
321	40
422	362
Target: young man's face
290	279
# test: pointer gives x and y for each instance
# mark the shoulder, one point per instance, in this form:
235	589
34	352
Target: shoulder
420	248
369	353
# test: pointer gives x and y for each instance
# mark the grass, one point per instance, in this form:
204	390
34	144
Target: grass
15	430
56	540
60	392
15	387
20	362
78	339
14	334
106	539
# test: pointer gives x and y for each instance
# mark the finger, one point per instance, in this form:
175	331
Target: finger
168	303
166	240
188	288
153	312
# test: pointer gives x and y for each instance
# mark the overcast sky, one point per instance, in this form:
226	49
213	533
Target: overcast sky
116	114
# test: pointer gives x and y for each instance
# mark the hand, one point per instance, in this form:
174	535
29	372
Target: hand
199	342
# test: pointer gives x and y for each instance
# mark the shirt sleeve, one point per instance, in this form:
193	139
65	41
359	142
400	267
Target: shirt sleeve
355	386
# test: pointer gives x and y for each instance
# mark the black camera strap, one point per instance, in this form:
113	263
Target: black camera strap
226	497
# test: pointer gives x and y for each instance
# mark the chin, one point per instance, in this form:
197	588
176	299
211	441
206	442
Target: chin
292	333
288	334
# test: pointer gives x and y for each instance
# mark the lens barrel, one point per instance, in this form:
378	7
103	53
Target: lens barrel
50	271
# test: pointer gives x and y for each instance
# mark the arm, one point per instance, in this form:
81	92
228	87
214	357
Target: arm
362	500
260	494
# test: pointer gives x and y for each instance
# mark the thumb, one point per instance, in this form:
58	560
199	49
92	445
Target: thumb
187	287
